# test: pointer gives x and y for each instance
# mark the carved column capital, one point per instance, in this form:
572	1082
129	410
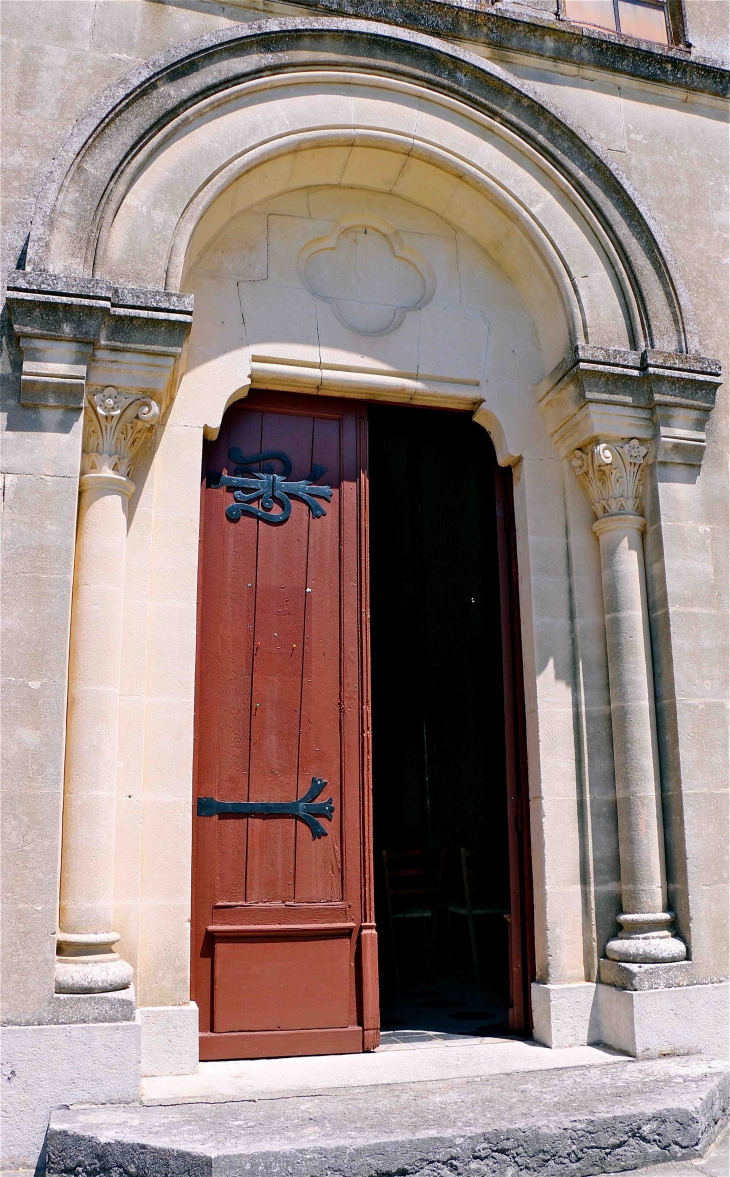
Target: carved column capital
115	425
612	475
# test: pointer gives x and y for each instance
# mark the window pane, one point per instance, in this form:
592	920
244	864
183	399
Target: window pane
639	20
591	12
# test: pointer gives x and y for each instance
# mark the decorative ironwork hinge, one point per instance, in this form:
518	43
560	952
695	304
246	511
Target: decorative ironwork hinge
248	485
303	808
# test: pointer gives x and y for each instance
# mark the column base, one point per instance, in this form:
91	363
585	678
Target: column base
646	938
646	1022
86	963
691	1019
69	1009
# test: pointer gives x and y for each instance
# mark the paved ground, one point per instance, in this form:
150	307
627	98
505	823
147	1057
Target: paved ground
412	1061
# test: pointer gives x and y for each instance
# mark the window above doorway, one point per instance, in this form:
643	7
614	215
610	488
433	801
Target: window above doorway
644	20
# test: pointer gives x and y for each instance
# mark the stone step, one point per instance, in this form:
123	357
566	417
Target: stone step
575	1121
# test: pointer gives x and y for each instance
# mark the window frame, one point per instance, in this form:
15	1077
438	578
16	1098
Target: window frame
674	17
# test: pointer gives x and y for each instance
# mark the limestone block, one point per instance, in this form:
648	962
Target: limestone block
287	204
343	347
453	343
45	1066
689	565
45	23
177	467
41	441
171	651
175	559
280	321
271	178
707	28
373	107
143	30
563	1015
38	533
426	185
329	204
597	1116
305	102
165	860
655	1022
238	251
564	949
371	167
169	1039
595	105
78	76
212	383
165	937
450	127
695	652
323	165
287	236
441	254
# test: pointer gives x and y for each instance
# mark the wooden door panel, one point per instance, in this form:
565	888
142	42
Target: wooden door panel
282	698
272	982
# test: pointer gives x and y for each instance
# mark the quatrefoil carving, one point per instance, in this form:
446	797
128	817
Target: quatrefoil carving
367	274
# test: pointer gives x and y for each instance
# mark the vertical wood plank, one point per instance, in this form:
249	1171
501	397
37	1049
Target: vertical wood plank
237	576
319	864
281	582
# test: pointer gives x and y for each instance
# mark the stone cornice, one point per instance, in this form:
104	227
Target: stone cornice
598	394
71	330
552	39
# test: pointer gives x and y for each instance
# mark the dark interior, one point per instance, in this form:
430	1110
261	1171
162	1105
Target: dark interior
438	724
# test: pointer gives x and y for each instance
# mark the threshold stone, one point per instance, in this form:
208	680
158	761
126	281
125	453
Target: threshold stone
577	1120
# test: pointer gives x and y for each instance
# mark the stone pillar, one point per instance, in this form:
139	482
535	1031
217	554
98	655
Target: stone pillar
612	475
115	424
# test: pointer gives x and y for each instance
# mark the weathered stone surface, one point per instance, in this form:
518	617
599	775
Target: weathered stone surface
583	1122
526	28
44	1066
639	977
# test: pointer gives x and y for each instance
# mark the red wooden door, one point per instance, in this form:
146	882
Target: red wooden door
284	946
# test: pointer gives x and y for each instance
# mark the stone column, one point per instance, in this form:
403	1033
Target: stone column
115	424
612	474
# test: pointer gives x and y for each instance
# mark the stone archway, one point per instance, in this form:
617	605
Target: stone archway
163	164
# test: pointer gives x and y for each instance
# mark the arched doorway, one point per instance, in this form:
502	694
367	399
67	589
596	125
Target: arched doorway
288	901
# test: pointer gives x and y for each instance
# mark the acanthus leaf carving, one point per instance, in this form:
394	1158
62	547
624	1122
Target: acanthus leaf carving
612	476
115	425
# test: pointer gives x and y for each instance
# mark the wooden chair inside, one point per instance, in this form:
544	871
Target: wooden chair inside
473	902
413	880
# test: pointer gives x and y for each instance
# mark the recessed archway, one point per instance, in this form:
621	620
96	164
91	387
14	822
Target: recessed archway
168	160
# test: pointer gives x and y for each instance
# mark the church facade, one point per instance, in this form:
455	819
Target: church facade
251	250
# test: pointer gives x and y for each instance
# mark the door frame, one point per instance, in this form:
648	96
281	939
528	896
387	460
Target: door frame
522	916
521	938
